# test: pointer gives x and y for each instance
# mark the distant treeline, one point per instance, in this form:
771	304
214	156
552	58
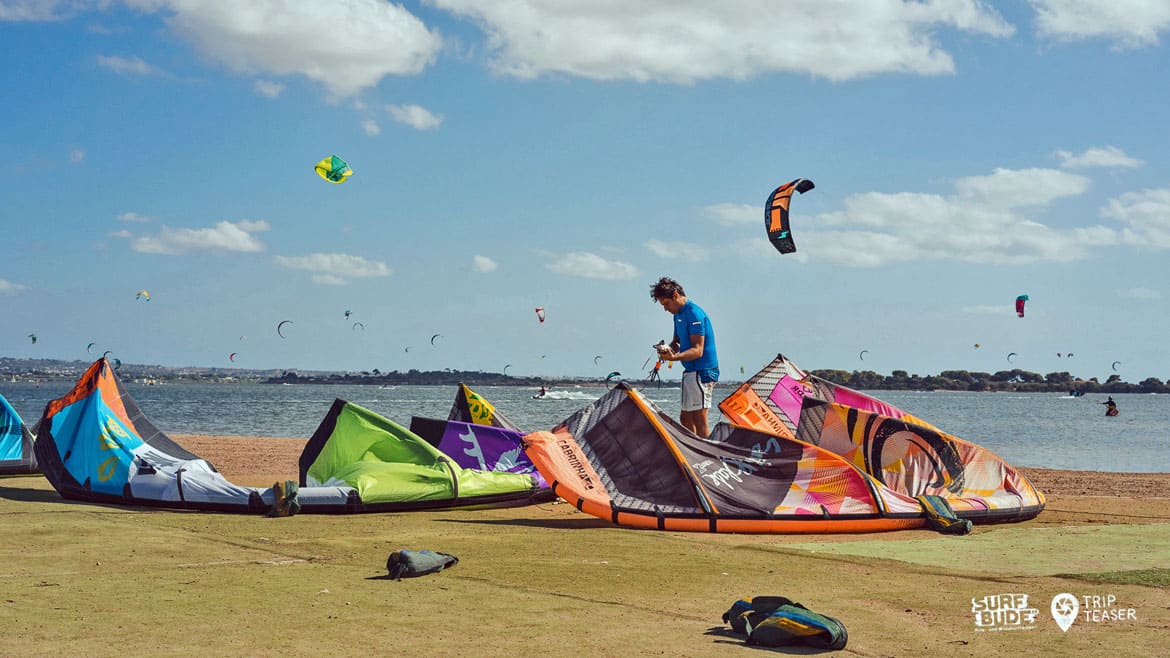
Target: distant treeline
424	378
1004	380
898	380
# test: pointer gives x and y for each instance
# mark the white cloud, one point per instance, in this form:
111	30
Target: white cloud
268	88
224	236
329	280
735	214
415	116
1017	188
684	41
127	65
38	10
1141	293
335	269
76	156
1146	216
371	127
591	266
483	264
125	234
1127	23
346	45
1106	156
134	217
10	289
679	250
990	219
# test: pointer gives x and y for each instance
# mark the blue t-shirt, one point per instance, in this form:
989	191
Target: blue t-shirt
693	321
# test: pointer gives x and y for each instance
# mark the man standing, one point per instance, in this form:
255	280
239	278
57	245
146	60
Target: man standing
694	346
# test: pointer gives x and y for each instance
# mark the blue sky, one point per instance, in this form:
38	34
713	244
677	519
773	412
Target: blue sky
509	155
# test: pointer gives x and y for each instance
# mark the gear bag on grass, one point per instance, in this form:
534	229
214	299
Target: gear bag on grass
409	564
775	621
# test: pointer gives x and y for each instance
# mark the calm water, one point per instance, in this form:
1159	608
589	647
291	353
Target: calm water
1026	429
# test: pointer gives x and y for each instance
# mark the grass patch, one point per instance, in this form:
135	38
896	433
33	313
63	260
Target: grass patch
101	580
1146	577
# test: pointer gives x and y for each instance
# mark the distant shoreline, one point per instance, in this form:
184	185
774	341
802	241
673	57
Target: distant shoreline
1014	381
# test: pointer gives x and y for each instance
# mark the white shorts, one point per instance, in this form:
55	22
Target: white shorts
695	394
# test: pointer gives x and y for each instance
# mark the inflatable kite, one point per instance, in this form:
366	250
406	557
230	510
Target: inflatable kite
1020	305
898	450
95	444
333	169
16	443
776	214
471	407
376	465
478	446
540	313
624	460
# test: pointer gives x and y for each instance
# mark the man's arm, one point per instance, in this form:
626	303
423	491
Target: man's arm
691	353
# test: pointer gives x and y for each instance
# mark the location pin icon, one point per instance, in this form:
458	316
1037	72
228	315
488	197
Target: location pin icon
1064	610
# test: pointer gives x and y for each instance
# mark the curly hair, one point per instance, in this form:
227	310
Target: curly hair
665	288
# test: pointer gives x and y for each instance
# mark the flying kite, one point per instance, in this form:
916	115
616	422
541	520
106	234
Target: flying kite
976	345
540	313
611	375
1020	305
358	324
142	294
506	368
861	354
1115	364
281	324
433	339
333	169
348	313
1009	357
33	338
106	352
232	356
89	348
776	214
596	359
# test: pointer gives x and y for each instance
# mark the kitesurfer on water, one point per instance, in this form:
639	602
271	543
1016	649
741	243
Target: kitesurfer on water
694	346
1110	407
541	393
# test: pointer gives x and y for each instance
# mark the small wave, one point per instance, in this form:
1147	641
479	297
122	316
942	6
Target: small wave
570	395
